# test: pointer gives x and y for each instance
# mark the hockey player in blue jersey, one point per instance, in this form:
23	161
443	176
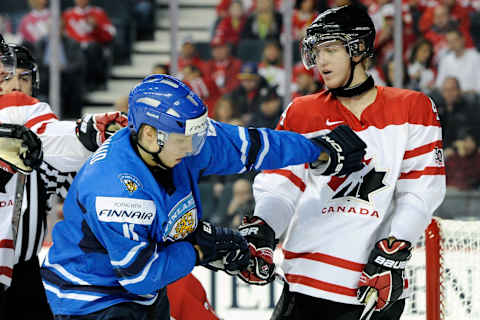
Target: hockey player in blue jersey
133	216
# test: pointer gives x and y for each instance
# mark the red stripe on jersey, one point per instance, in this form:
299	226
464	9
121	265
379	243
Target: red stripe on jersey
422	149
6	271
290	176
16	99
325	258
428	171
42	128
321	285
6	243
30	123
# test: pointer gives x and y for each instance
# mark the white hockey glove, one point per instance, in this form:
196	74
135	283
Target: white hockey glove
261	241
20	149
93	129
345	150
385	273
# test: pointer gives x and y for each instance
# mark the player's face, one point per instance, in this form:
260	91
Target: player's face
177	147
20	81
7	68
333	62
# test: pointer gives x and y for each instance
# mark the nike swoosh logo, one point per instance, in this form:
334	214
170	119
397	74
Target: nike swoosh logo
332	123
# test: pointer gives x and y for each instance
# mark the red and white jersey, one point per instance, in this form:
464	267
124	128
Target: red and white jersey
78	27
62	151
334	222
61	147
35	25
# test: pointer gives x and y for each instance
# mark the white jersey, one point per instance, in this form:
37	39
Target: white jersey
334	222
63	152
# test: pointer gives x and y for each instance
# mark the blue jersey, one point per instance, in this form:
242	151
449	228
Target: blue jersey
122	237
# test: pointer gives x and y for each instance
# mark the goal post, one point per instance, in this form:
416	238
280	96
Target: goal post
444	272
433	266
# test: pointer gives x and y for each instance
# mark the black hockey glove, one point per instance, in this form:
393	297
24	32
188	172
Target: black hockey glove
261	241
93	129
20	149
221	248
384	272
346	151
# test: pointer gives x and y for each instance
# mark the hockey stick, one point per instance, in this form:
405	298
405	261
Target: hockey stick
371	302
17	204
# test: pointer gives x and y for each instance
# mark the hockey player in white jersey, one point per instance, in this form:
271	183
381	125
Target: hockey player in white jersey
133	220
348	236
52	150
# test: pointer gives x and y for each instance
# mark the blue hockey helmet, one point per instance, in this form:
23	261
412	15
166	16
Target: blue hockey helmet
170	106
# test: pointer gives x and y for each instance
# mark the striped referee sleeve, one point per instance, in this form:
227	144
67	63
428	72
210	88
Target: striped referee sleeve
32	225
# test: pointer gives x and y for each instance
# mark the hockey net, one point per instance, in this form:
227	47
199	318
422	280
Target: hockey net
444	273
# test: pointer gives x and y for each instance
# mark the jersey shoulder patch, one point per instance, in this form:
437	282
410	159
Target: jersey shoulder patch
182	219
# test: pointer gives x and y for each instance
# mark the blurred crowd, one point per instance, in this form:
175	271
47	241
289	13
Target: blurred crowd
94	35
240	75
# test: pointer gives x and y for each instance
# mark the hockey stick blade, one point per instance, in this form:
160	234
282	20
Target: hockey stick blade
371	302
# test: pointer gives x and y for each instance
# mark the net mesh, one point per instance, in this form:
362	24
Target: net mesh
457	285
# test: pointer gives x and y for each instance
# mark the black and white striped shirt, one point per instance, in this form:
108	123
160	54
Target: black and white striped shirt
33	221
39	187
62	150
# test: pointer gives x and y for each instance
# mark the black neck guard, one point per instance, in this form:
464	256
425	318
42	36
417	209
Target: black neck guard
354	91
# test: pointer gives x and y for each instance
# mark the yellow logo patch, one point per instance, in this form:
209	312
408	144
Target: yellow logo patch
182	219
185	225
130	182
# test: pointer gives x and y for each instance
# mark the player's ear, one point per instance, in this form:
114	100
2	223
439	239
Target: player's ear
357	59
147	133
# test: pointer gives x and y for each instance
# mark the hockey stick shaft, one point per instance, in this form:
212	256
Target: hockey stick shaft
371	302
17	205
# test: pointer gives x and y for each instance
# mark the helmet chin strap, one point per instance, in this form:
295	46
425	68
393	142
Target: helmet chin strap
345	91
155	155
